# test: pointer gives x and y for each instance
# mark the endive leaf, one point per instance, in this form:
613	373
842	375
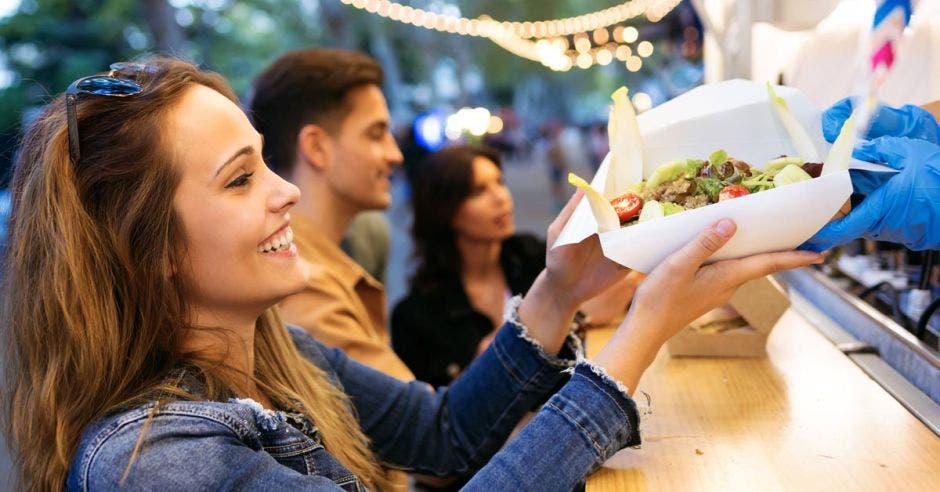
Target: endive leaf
603	211
841	151
626	146
801	140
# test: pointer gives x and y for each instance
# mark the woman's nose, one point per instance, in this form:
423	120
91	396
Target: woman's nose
284	194
501	195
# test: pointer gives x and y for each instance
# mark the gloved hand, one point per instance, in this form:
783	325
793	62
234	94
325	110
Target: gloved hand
907	121
905	209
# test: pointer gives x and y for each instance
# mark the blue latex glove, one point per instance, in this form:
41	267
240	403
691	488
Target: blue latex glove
905	209
907	121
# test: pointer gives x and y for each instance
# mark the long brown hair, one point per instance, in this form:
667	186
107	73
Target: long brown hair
91	318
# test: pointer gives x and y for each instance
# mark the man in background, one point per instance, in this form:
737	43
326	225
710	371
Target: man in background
326	128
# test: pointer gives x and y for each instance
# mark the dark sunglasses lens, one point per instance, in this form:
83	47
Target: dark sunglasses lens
109	86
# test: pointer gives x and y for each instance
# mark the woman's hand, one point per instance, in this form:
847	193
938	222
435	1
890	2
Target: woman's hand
573	274
579	271
680	290
610	306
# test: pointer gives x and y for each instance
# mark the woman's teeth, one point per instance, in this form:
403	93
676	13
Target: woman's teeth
279	243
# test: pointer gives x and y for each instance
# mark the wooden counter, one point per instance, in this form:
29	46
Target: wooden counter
804	418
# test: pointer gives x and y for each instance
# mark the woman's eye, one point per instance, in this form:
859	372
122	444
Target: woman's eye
240	181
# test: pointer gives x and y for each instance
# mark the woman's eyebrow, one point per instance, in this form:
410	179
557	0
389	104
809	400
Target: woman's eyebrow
246	150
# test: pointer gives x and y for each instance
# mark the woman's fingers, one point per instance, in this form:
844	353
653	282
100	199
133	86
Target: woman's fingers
554	229
743	270
707	243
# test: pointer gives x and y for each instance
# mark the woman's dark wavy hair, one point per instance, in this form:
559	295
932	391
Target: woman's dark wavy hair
439	185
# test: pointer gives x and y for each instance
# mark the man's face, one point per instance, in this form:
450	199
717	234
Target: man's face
362	152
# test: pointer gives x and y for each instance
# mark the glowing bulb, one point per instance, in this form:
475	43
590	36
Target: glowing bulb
582	45
634	63
407	14
478	120
604	57
496	124
584	60
642	101
623	52
618	34
644	49
630	34
601	36
453	127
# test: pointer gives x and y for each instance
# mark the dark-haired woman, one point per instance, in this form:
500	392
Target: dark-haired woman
470	264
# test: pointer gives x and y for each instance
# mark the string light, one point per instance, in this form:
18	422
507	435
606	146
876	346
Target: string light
590	22
623	52
544	41
630	34
634	63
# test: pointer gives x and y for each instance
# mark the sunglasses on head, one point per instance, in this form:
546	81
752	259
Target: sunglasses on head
118	83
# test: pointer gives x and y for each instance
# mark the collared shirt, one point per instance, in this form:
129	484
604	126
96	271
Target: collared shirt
342	305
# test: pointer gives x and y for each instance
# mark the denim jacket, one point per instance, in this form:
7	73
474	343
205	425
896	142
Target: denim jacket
461	429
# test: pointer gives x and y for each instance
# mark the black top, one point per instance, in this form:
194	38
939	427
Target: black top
436	331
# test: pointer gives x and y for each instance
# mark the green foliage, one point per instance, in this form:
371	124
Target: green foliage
47	44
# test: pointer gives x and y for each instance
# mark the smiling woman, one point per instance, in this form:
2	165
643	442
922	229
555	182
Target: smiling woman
144	351
153	238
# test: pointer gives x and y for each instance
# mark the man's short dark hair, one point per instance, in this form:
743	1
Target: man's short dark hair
303	87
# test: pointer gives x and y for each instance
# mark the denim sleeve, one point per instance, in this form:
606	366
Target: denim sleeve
457	429
582	425
184	452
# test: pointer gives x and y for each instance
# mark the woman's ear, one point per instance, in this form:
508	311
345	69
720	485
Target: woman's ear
313	147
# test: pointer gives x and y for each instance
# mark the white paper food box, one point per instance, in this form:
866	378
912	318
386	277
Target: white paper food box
736	116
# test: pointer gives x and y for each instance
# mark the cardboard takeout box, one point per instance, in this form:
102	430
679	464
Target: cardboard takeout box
736	116
760	303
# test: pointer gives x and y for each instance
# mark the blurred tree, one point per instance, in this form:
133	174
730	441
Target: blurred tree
46	44
167	34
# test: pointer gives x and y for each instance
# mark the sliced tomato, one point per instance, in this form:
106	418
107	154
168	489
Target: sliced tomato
732	191
627	206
